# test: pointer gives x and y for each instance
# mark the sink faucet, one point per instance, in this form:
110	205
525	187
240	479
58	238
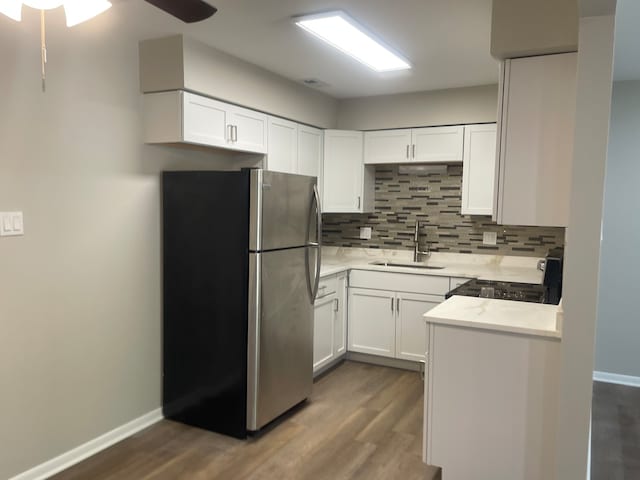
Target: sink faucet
416	244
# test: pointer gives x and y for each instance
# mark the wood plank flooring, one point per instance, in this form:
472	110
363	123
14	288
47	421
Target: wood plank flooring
615	432
361	422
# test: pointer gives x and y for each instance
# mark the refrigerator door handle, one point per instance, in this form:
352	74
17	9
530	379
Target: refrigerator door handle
315	283
319	239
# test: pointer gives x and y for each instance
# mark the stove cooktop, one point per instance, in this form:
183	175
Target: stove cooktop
520	292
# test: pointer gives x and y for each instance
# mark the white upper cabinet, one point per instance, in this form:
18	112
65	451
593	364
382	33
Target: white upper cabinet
310	152
387	146
536	128
348	185
283	146
478	169
205	121
183	117
423	145
248	129
437	144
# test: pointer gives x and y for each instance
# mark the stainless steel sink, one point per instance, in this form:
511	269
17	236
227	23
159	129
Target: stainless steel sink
382	263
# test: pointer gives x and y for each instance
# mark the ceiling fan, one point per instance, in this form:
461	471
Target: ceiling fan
189	11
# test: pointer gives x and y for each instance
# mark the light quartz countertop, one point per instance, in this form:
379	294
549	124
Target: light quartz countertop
485	267
481	313
497	315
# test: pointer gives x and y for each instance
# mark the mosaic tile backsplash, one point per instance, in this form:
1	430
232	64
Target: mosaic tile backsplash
434	199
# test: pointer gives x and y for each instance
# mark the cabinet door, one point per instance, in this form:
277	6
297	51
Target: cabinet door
310	153
372	325
323	331
343	171
387	146
411	330
536	140
340	330
250	134
437	144
283	146
205	121
478	170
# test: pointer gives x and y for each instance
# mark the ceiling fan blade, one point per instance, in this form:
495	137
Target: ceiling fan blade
189	11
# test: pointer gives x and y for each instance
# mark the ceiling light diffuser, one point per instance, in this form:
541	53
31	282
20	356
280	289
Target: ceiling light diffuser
12	9
344	33
78	11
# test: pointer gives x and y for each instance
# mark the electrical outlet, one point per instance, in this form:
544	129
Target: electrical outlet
11	224
365	233
489	238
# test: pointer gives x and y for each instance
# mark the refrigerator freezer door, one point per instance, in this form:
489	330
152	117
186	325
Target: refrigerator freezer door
279	211
280	336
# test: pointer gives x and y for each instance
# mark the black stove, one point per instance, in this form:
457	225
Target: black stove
520	292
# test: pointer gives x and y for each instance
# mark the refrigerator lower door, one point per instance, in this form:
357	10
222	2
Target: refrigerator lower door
280	336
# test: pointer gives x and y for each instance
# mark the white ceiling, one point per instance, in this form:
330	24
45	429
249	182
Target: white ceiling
627	39
447	41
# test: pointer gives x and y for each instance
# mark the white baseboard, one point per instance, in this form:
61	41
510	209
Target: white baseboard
70	458
616	378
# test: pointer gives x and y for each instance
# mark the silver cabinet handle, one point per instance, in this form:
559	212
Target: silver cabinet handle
392	304
413	150
407	151
397	305
335	305
234	132
358	202
229	133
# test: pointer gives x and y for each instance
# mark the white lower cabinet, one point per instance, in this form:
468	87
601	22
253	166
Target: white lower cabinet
389	324
330	325
372	322
410	326
323	330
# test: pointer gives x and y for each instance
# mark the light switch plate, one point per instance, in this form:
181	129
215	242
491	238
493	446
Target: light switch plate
489	238
365	233
11	224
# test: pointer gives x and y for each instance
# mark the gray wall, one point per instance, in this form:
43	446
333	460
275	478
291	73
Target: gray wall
521	28
80	293
438	107
618	327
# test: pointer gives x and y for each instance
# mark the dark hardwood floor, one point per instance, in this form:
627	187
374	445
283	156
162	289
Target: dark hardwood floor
615	432
362	422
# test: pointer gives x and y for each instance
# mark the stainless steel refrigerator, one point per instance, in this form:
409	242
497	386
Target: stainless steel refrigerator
241	265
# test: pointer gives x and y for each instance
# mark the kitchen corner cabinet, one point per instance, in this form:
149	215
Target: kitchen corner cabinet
183	117
330	328
387	322
478	169
536	119
348	184
310	152
490	399
414	145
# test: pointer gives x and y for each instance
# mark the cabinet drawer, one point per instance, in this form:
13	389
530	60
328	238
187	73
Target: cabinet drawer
399	282
327	286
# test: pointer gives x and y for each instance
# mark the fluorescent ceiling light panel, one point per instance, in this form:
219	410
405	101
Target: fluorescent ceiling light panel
78	11
344	33
12	9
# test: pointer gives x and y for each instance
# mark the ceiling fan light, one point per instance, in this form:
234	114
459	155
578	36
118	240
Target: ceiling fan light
12	9
78	11
43	4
